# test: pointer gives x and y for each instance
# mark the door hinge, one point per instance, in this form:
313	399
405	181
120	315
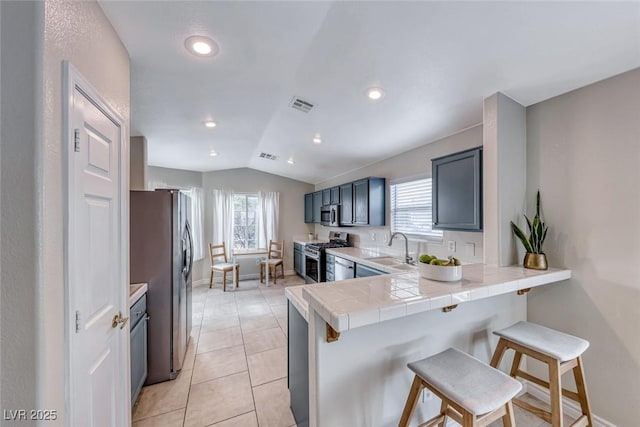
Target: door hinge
76	140
78	321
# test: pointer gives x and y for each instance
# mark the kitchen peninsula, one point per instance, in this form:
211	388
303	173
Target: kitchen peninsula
362	332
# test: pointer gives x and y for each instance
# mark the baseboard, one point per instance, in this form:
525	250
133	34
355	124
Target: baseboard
569	407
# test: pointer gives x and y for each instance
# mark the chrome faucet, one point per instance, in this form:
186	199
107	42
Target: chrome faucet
407	258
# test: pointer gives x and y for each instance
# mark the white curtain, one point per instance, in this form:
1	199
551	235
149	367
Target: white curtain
268	212
223	218
196	195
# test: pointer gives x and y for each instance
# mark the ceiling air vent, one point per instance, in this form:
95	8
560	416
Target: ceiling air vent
268	156
300	104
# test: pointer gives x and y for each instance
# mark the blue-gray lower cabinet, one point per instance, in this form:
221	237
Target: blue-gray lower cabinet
138	316
298	366
330	271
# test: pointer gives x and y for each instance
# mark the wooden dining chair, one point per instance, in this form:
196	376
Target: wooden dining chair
275	258
219	263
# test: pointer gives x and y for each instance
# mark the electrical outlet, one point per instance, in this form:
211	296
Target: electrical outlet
451	246
373	236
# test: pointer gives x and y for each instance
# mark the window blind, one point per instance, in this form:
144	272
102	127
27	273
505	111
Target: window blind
411	210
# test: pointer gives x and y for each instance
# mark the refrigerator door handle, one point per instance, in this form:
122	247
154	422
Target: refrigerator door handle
189	251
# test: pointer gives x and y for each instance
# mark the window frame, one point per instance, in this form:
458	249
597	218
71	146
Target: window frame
433	235
246	195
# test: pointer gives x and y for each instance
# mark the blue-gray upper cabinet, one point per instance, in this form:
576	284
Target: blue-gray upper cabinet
317	206
326	197
335	195
457	191
308	208
346	204
368	202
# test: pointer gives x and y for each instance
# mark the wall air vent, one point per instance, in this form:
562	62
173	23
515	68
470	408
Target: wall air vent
268	156
300	104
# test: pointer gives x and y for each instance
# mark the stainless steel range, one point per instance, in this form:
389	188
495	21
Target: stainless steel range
315	257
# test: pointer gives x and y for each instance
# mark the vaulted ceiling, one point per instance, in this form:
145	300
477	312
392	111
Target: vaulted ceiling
436	61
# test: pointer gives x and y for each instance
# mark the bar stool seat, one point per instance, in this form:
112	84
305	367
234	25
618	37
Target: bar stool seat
479	393
547	341
561	352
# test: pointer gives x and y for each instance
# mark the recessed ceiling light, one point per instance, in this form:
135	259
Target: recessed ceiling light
213	153
317	139
210	124
375	93
290	161
201	46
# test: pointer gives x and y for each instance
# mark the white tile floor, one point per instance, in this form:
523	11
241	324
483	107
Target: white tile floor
235	373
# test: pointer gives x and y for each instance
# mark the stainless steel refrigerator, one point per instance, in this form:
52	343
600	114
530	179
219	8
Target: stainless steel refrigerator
162	256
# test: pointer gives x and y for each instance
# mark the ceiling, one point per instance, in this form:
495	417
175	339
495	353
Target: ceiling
436	61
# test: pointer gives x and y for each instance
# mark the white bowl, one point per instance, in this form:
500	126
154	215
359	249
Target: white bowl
441	273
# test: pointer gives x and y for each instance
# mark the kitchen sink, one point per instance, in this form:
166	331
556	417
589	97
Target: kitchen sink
385	260
403	266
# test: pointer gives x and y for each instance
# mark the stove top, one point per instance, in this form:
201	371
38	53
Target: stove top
328	245
336	240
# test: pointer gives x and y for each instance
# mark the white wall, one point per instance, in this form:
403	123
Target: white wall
176	178
20	82
138	170
249	180
78	32
184	179
584	156
411	163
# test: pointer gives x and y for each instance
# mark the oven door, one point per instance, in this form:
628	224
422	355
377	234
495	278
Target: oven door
312	269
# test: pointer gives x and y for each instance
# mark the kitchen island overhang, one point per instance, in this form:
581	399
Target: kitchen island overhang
363	332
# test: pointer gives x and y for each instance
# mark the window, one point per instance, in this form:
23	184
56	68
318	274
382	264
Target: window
245	221
411	210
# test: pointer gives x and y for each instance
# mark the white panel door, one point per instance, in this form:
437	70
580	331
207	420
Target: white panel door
97	372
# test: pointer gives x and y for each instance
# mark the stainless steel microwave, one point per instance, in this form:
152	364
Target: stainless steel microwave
329	216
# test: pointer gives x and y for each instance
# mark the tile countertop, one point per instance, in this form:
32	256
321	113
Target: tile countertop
307	241
349	304
294	294
136	290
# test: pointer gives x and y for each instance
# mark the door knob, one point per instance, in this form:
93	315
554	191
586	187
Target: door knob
119	320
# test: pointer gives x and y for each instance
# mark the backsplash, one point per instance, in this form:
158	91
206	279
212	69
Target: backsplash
378	238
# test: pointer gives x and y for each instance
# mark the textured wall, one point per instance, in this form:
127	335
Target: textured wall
80	33
583	155
21	38
407	164
138	163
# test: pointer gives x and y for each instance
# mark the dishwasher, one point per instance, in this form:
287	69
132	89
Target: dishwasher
344	269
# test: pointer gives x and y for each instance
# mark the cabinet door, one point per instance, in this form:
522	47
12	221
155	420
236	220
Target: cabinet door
335	195
326	197
457	191
361	202
296	260
346	204
317	205
138	358
308	208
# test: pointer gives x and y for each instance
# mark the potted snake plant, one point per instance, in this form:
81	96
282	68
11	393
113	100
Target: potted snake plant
535	257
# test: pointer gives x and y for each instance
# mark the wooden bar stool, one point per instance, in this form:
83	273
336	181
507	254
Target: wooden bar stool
560	352
472	393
